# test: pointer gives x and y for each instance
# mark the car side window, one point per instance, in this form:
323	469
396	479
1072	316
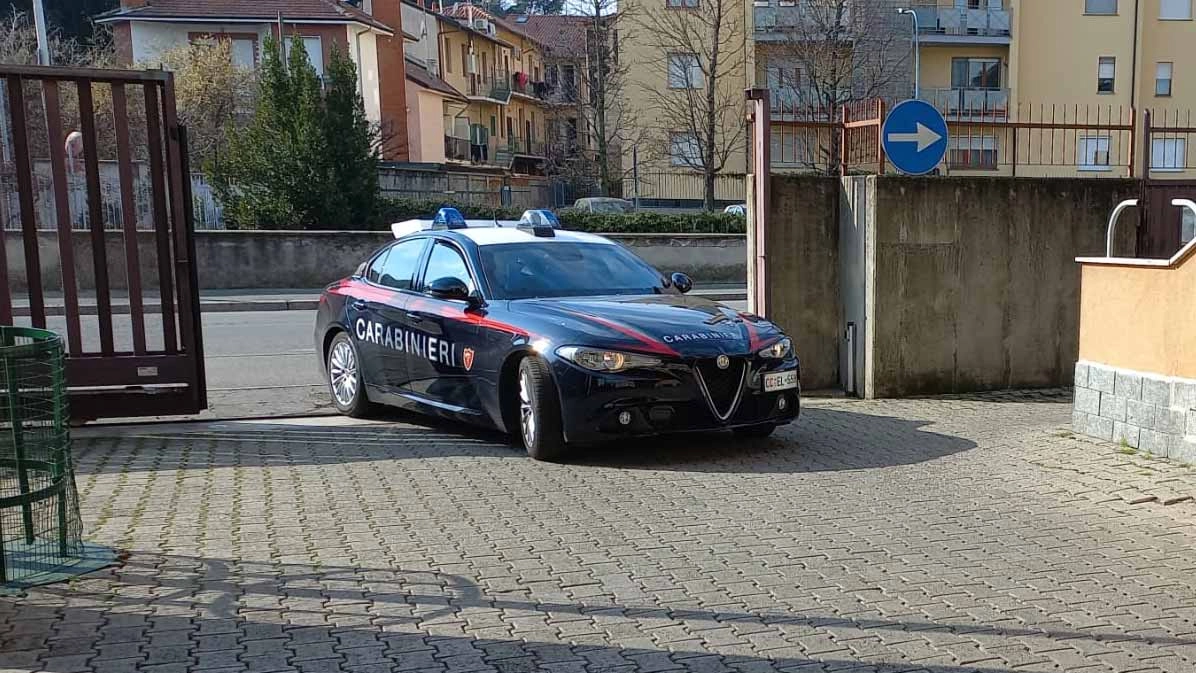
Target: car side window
445	262
374	272
398	267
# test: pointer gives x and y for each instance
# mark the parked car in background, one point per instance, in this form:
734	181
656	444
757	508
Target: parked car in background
736	209
604	205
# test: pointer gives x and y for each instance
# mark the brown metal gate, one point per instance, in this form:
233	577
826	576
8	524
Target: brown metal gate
95	190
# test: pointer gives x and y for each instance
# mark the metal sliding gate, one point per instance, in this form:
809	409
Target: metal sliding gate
96	209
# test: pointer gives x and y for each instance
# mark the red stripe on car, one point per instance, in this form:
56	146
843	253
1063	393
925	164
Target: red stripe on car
647	343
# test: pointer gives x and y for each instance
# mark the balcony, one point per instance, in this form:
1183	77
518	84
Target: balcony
525	147
456	149
525	87
946	22
964	104
492	87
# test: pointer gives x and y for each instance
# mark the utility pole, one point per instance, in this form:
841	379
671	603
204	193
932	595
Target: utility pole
43	42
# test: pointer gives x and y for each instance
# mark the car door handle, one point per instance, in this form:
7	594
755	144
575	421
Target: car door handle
358	305
415	317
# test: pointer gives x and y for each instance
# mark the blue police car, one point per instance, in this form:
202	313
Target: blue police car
556	337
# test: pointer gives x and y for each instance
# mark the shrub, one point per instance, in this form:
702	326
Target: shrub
397	210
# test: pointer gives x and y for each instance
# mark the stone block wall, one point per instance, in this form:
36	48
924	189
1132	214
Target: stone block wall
1152	413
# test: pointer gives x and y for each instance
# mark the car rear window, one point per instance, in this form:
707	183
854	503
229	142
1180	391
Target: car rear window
529	270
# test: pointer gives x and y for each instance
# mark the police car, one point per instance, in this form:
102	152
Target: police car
556	337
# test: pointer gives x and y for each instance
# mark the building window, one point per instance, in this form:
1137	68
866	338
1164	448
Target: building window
1162	79
1093	153
244	52
1106	74
975	73
973	152
1100	6
1175	9
448	58
684	71
1168	154
1188	228
315	53
678	4
684	150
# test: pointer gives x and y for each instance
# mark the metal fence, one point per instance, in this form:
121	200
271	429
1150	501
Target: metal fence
208	213
678	189
1026	140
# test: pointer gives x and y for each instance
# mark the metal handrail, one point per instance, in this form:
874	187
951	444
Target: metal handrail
1129	203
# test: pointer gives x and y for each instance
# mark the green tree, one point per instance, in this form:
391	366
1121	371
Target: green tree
309	158
352	143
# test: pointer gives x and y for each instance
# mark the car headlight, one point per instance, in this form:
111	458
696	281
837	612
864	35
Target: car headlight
777	351
606	361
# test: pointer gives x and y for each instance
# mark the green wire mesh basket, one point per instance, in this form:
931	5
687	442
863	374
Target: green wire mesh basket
40	527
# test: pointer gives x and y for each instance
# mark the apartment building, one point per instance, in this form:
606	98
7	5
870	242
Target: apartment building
1093	65
500	70
669	46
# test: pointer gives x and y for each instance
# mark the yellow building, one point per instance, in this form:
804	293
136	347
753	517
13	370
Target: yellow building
1071	63
501	71
668	48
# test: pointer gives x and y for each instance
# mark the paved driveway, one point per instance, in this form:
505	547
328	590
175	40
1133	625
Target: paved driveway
927	535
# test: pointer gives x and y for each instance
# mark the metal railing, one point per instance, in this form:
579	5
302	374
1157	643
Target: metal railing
529	88
966	102
525	146
456	149
946	17
496	85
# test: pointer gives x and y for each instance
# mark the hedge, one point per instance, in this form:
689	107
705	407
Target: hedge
646	222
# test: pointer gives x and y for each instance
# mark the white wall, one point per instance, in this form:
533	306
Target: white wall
367	70
152	38
425	48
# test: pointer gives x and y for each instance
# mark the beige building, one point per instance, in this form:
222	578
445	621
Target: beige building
666	79
1075	63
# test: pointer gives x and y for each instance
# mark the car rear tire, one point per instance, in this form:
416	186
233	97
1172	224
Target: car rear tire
539	411
755	431
345	382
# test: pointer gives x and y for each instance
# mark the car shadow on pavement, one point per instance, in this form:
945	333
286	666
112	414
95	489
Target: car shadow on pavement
268	615
821	440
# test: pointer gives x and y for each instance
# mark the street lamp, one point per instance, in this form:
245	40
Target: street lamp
917	50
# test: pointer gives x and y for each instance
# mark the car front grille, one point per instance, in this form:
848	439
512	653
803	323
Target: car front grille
723	388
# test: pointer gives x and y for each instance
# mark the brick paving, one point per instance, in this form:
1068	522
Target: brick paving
937	536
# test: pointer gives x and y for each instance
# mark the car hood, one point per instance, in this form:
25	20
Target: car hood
667	325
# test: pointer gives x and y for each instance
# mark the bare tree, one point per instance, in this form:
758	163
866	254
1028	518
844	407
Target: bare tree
213	93
821	56
700	44
589	107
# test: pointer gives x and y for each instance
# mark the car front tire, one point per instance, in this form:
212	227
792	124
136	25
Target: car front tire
539	411
345	382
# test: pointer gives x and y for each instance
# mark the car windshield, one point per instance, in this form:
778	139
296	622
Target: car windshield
565	269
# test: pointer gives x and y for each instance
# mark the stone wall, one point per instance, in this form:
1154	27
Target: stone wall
312	259
1155	414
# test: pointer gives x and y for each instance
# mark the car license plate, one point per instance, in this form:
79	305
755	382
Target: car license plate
780	381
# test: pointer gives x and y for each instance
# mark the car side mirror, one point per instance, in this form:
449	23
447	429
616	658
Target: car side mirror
449	288
682	282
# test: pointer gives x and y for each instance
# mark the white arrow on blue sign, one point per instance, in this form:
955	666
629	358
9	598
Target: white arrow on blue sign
915	137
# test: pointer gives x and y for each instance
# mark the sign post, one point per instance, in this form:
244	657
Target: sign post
915	137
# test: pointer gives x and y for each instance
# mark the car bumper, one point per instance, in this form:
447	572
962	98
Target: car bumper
664	401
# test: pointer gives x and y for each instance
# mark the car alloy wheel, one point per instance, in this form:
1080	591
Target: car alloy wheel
527	410
342	373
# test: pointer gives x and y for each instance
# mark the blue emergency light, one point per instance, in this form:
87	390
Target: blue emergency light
449	218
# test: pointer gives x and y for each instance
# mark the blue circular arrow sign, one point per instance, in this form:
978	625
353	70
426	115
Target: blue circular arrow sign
915	137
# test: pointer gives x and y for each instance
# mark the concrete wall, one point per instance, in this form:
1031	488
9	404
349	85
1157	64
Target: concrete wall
1156	414
975	286
803	271
299	259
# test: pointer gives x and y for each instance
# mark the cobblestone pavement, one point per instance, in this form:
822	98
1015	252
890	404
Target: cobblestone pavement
940	536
